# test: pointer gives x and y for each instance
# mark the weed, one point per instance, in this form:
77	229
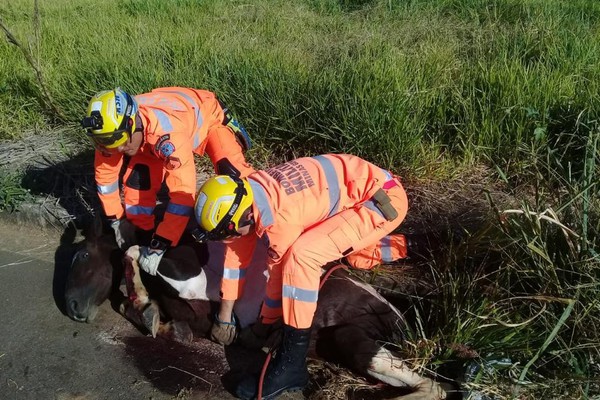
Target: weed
12	194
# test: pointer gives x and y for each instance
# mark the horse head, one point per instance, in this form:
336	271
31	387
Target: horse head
97	267
93	274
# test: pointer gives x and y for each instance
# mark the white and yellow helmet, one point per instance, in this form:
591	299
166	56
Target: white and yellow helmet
110	118
220	204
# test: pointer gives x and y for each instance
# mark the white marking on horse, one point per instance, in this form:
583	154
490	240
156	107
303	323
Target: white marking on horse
138	287
190	289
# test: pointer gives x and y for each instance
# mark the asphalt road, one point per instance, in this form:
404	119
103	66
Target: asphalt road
45	355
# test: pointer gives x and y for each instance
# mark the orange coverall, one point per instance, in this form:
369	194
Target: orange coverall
314	211
178	123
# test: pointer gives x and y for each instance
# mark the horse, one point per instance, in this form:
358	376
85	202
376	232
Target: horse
353	323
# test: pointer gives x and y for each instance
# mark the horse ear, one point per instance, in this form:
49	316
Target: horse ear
98	225
69	235
94	229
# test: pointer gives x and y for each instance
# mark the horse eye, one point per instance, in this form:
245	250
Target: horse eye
81	255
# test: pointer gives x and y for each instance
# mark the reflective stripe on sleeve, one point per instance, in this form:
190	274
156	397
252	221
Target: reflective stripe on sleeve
234	273
371	206
199	119
332	182
138	210
108	189
179	209
262	202
163	120
386	249
388	175
308	296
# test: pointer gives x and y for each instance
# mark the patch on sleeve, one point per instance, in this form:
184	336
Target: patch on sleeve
172	163
164	148
272	254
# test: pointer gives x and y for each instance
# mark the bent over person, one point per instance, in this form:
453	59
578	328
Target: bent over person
160	131
312	211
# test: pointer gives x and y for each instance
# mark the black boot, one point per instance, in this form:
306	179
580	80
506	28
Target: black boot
286	371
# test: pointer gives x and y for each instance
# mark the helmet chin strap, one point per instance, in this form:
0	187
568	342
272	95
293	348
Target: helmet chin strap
139	127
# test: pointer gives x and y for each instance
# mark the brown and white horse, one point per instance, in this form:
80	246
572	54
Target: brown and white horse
351	325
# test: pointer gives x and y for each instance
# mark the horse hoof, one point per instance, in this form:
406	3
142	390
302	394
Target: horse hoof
127	310
124	307
151	318
182	332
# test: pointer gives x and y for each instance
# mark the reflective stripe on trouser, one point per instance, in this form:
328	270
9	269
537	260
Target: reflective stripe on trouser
295	279
389	249
140	201
221	143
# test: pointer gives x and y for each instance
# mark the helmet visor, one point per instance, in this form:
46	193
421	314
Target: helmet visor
107	139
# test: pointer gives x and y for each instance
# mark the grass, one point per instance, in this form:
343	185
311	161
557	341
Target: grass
12	194
432	89
523	289
400	82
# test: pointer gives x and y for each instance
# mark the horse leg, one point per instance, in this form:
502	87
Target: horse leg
178	331
148	317
140	307
357	349
390	369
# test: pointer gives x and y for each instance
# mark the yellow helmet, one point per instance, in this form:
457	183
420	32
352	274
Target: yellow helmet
220	204
110	118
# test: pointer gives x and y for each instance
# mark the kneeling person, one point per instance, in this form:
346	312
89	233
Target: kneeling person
159	133
313	211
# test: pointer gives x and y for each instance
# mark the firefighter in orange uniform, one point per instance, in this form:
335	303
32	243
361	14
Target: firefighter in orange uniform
160	131
312	211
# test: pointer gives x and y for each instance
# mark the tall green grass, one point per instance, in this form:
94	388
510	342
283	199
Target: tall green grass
410	84
522	291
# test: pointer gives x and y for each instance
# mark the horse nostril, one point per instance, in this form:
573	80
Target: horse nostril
73	306
77	310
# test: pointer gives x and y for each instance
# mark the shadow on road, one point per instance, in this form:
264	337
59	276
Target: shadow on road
62	262
175	369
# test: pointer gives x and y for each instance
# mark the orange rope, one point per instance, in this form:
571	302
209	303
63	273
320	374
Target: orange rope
329	272
270	353
262	375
